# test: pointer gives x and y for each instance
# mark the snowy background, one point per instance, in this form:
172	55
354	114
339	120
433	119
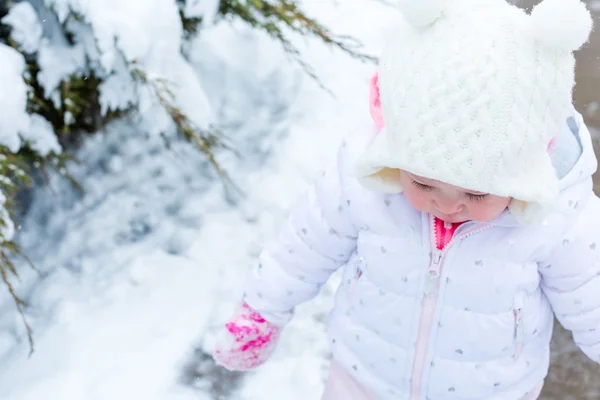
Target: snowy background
137	274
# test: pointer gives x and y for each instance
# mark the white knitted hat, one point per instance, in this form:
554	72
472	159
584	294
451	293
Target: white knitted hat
471	93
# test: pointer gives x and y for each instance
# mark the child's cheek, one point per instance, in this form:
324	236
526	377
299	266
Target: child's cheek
487	212
417	199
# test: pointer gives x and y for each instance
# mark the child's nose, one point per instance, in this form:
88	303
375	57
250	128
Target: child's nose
448	206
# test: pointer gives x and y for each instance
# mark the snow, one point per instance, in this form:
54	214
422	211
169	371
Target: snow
13	98
139	272
26	29
126	365
15	122
117	91
113	34
205	9
135	28
41	136
58	61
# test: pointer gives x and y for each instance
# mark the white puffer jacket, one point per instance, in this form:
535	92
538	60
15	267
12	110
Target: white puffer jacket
473	321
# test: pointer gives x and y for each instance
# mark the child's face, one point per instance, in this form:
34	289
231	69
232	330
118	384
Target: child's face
450	203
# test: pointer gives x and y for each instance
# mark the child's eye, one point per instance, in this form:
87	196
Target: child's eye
421	186
477	197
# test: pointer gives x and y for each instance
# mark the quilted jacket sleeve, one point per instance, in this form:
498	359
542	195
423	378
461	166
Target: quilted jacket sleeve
571	279
316	240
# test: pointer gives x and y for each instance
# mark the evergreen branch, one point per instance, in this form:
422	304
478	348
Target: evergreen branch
8	268
205	139
272	16
15	175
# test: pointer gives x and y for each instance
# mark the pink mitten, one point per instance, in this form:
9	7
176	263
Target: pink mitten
247	342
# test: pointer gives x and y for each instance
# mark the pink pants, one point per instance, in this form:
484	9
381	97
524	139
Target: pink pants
342	386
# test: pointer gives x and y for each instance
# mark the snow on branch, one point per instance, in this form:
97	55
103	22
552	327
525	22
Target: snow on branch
67	67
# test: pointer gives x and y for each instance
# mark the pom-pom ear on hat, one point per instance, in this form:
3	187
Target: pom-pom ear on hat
422	13
375	102
561	24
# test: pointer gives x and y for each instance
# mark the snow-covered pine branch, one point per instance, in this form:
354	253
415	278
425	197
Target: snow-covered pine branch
69	66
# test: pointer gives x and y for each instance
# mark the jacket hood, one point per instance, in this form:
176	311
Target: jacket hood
576	186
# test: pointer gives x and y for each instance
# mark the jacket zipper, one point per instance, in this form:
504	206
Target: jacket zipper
357	274
519	333
428	305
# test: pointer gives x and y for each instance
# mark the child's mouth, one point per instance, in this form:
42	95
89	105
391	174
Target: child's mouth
452	218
